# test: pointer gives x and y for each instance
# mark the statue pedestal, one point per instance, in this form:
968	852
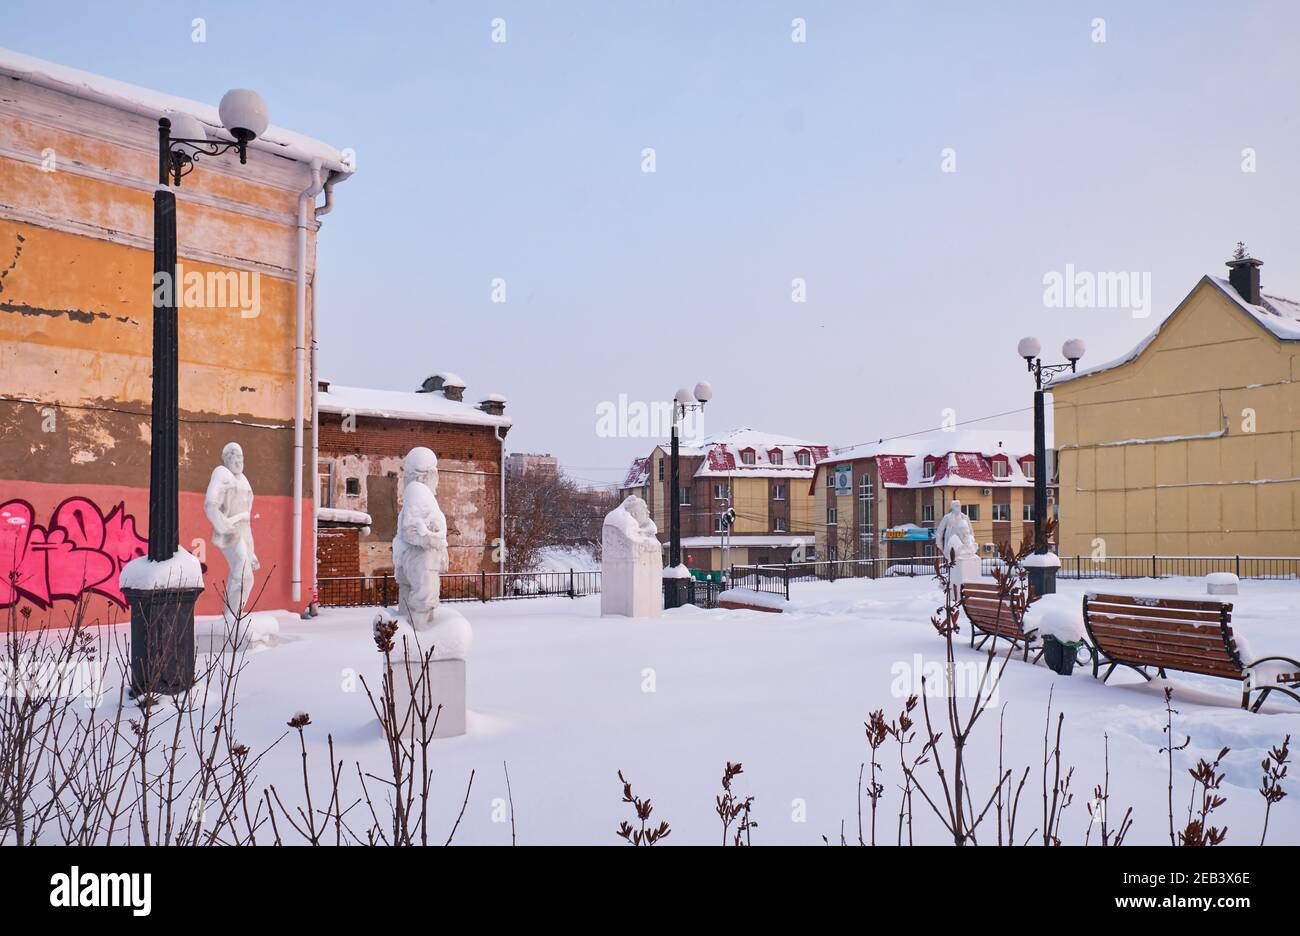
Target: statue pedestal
965	569
446	687
449	636
631	588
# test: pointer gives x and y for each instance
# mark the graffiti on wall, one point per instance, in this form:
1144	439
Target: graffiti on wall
81	550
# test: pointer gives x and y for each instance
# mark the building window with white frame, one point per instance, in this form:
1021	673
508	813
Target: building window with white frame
927	469
778	492
1001	470
1002	513
803	457
832	516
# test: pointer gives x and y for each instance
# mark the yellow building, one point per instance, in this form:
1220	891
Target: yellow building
1190	444
763	477
883	500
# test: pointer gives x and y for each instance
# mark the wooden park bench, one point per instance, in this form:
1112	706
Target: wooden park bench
992	618
1188	635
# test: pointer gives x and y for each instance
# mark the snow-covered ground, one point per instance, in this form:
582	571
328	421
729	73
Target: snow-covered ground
568	699
564	558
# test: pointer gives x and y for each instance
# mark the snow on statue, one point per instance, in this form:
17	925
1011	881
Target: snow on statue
954	533
631	561
229	508
420	547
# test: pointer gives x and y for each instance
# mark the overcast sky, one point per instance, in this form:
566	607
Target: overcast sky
775	160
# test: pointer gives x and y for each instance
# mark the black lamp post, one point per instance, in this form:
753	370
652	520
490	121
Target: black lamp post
685	401
1042	569
162	603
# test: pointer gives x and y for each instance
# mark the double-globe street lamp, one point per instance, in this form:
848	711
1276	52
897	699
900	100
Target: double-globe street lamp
162	597
1042	565
684	402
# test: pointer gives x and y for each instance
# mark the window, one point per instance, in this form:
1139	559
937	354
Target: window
778	492
324	483
972	512
927	513
778	524
747	456
1000	469
776	457
866	501
352	487
718	525
830	478
719	491
832	516
1027	466
1002	512
684	495
661	469
927	470
803	457
1029	512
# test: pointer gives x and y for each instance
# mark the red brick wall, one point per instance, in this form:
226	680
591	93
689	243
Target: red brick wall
469	464
337	552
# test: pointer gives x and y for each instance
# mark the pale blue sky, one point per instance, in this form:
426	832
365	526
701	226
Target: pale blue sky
775	160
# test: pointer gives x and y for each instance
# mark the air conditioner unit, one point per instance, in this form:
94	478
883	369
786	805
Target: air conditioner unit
986	492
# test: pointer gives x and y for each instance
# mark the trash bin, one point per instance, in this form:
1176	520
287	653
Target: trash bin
1060	655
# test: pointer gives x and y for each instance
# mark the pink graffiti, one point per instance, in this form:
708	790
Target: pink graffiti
81	551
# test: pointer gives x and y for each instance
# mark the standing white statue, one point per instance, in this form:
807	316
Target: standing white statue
420	547
954	534
229	507
957	540
631	573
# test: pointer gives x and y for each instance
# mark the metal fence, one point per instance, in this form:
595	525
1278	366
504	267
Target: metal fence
1127	567
698	592
776	578
381	590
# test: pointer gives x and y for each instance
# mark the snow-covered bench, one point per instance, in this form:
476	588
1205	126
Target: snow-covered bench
993	618
1188	635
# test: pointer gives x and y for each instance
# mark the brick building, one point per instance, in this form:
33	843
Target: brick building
765	477
882	500
521	463
364	436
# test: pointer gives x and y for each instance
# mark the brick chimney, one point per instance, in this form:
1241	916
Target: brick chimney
1243	274
452	387
494	405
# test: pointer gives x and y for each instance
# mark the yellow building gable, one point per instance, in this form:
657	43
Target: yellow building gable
1192	445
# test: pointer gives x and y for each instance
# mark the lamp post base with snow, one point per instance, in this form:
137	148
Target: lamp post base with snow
162	597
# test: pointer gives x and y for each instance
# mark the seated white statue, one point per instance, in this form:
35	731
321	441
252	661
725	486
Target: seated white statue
420	547
631	562
954	534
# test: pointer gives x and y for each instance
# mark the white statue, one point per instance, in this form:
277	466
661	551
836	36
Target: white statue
420	547
954	534
631	580
229	507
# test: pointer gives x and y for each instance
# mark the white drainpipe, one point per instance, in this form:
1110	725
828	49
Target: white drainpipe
501	553
308	197
315	380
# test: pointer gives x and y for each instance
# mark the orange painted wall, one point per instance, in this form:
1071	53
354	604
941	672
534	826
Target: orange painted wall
75	343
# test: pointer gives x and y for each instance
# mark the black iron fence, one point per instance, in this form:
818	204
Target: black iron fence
1127	567
698	592
381	590
775	578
